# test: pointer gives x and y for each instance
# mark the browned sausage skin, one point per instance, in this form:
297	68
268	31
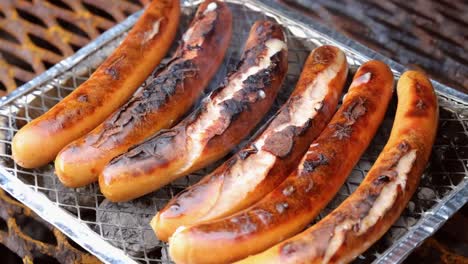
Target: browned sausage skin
306	191
264	163
160	104
221	122
114	81
378	202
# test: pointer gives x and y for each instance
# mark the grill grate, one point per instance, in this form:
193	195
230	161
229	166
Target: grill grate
125	225
35	35
430	34
33	239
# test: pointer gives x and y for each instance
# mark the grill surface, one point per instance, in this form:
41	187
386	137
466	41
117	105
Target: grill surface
33	239
35	35
125	225
428	34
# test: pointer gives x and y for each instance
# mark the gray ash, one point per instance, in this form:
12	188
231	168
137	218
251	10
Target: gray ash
128	222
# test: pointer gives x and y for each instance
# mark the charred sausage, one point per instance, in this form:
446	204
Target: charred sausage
158	105
264	163
114	81
300	197
379	200
221	122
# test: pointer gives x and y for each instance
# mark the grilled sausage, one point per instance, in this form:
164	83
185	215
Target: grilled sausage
220	123
258	168
108	88
300	197
173	91
370	211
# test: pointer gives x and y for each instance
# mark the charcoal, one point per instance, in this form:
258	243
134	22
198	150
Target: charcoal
129	222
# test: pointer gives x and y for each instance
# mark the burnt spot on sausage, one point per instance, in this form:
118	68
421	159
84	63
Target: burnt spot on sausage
280	143
423	102
355	110
383	179
302	129
352	113
168	81
365	205
244	153
403	146
151	98
387	174
197	112
148	148
194	47
251	57
112	69
311	164
319	107
291	248
267	29
249	94
342	131
202	28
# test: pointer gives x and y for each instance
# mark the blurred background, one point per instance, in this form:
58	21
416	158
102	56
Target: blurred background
431	35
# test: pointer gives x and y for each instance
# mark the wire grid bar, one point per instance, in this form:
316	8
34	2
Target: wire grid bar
125	225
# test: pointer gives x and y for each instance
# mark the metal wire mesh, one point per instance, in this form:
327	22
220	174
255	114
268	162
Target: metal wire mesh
37	34
34	240
125	225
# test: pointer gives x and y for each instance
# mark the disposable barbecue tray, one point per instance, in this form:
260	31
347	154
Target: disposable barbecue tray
120	233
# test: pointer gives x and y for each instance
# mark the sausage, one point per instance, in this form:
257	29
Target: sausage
379	200
224	118
300	197
264	163
114	81
158	105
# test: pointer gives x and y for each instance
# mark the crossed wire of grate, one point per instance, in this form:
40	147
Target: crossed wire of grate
429	34
125	225
35	35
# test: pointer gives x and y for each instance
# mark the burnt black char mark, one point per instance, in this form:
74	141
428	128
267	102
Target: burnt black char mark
250	93
152	98
148	148
362	207
280	143
311	164
352	113
246	152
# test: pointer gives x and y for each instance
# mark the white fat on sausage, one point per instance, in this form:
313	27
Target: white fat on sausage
187	36
211	7
363	79
381	205
389	193
153	32
256	166
208	123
